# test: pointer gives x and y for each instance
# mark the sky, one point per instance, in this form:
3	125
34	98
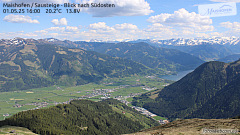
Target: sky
128	20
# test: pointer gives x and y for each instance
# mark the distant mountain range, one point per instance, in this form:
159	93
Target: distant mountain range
210	91
28	63
207	49
205	52
175	41
230	58
197	41
153	57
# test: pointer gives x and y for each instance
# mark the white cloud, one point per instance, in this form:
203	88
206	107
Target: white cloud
104	32
122	8
125	31
159	18
234	28
182	18
157	27
125	26
19	19
226	1
41	31
62	21
158	31
67	32
71	29
55	29
11	35
119	32
234	25
34	1
216	34
101	27
118	29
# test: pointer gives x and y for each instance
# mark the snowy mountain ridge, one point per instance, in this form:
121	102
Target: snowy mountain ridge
198	41
172	42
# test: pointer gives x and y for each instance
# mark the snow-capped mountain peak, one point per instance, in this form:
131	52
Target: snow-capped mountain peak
198	41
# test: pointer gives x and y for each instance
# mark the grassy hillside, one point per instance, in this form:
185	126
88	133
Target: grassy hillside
191	127
8	130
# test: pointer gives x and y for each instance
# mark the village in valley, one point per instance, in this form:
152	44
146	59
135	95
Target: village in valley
121	92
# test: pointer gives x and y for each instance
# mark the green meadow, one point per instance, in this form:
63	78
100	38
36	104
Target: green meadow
61	94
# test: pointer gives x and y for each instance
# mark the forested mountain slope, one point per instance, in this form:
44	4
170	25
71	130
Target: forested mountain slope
210	91
81	117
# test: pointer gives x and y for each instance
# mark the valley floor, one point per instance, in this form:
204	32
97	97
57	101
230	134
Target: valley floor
122	89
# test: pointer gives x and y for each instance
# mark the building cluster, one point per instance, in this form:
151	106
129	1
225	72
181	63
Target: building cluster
144	111
151	77
38	104
66	102
163	121
155	77
148	88
105	93
166	84
149	114
6	115
123	98
98	92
